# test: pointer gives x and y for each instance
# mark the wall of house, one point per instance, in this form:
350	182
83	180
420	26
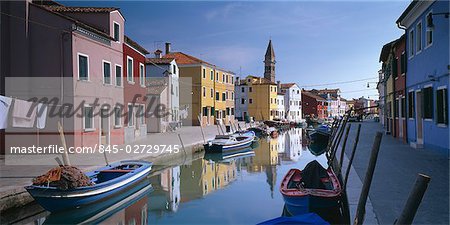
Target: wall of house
399	87
293	98
430	67
94	88
193	96
239	95
134	93
309	105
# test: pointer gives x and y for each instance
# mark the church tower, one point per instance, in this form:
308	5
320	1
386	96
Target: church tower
269	63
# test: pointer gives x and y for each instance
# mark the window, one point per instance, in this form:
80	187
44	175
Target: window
442	106
116	31
232	111
271	100
224	96
205	111
117	116
118	75
419	37
232	95
88	118
212	75
250	101
142	74
250	89
396	108
212	93
242	89
130	115
242	101
227	95
227	79
174	69
204	73
428	103
411	43
141	113
411	101
430	29
106	72
83	67
403	63
130	77
395	67
403	105
204	92
223	78
217	96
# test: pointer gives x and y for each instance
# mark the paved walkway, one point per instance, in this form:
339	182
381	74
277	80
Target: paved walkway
395	174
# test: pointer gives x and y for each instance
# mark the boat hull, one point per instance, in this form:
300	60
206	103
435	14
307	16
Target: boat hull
215	148
54	200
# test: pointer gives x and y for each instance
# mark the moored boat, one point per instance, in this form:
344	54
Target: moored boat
230	142
320	134
308	218
105	183
312	187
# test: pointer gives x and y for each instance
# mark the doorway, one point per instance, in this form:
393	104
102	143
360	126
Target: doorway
419	121
104	127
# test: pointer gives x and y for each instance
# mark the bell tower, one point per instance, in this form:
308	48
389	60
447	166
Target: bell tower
269	63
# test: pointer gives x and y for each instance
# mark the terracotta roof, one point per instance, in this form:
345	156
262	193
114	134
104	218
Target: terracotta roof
77	22
312	95
135	45
72	9
185	59
158	60
287	85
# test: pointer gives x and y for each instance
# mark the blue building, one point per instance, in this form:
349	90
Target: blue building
426	25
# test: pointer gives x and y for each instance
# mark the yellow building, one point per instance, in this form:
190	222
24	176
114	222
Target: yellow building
260	97
211	95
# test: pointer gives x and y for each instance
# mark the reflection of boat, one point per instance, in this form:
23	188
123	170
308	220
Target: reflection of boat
312	187
100	211
108	181
230	142
309	218
228	155
318	148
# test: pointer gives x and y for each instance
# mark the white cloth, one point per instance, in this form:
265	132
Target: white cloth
41	117
20	114
5	103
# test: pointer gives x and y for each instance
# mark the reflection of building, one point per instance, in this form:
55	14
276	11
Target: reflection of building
265	155
166	195
281	142
293	146
203	177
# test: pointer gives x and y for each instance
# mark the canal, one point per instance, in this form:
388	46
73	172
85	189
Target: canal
236	189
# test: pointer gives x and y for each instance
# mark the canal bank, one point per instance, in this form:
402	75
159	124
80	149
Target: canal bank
15	174
396	171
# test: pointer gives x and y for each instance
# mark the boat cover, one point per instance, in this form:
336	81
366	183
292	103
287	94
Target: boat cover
309	218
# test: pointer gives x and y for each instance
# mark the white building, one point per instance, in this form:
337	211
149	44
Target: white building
166	68
292	101
240	100
280	113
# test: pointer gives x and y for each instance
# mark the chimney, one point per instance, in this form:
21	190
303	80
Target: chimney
167	48
158	54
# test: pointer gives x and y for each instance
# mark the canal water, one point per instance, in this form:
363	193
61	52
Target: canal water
237	189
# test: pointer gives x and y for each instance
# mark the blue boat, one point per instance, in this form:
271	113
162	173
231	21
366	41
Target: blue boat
309	218
231	142
108	181
320	135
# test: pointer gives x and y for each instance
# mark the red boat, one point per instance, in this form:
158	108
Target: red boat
313	187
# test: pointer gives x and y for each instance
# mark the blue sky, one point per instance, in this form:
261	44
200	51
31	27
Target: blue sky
315	42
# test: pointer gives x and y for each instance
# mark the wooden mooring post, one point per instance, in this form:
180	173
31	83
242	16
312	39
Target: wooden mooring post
414	200
201	128
352	156
361	209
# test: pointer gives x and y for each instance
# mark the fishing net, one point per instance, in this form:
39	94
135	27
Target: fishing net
64	178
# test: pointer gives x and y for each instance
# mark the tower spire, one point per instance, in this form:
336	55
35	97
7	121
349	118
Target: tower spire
269	63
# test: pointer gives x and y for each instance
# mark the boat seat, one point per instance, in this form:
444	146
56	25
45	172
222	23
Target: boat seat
115	171
297	178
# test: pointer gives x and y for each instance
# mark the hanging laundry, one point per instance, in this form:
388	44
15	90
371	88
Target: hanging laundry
41	116
5	103
20	111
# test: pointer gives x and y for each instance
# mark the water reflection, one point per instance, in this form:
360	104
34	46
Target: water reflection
241	187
